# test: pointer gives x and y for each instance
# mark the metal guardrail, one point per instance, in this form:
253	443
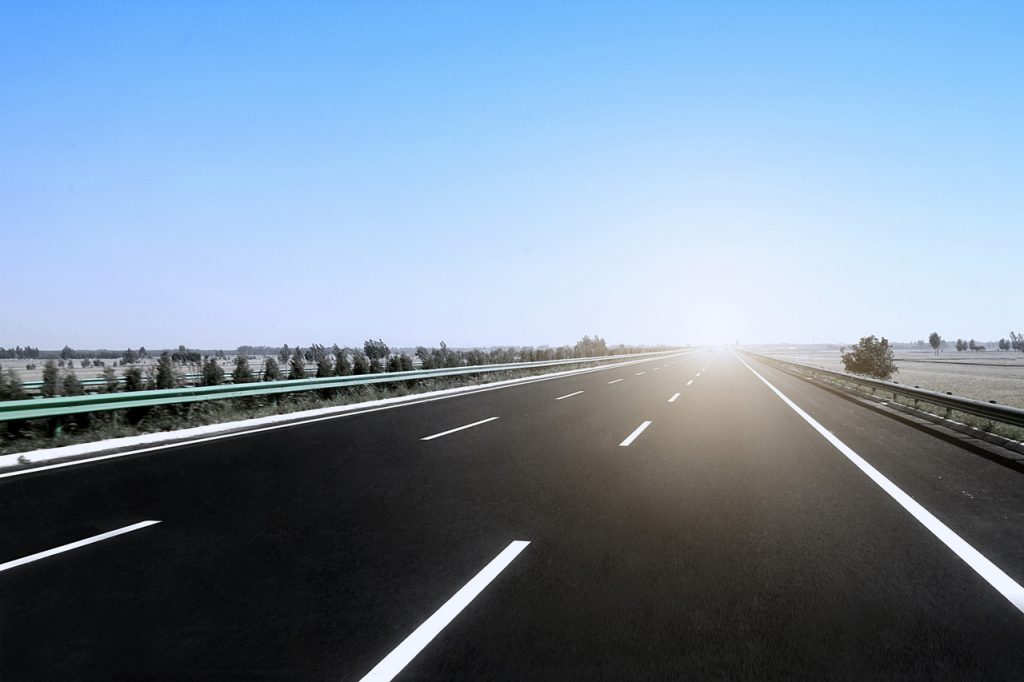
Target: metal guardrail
40	408
994	412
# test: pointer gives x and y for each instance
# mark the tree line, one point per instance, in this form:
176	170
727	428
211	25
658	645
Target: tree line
375	356
1015	342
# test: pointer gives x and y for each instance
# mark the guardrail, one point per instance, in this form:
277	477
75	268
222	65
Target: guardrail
41	408
988	411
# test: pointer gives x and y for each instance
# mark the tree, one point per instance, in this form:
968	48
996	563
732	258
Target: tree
66	353
271	372
284	354
376	351
935	341
360	365
297	367
51	380
871	357
109	380
71	385
324	368
1017	341
11	388
961	345
426	357
133	379
1004	344
242	374
129	357
406	363
213	375
395	364
165	374
972	345
590	347
342	367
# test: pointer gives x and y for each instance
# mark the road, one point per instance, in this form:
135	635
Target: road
662	520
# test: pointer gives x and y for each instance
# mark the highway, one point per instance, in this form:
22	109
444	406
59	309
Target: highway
669	519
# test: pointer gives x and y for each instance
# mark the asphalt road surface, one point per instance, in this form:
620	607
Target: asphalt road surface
669	519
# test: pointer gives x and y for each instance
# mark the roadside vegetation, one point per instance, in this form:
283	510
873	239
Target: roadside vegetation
181	367
871	357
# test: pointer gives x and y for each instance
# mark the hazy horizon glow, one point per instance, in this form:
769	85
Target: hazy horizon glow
218	175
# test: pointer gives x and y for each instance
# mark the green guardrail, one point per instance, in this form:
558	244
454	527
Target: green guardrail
41	408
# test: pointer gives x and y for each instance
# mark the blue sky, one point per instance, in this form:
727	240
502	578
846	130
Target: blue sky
217	174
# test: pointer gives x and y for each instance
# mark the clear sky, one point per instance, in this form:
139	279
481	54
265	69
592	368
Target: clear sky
217	174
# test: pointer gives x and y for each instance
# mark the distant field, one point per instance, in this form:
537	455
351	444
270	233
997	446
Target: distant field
985	376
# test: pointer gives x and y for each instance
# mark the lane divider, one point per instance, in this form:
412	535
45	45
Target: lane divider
991	573
394	662
459	428
673	398
614	381
569	395
75	545
689	382
633	436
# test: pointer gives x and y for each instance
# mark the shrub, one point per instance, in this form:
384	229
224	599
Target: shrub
324	368
871	357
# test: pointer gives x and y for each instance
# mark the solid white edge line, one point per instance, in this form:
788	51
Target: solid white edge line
991	573
393	663
569	395
614	381
673	398
689	382
633	436
350	411
459	428
75	545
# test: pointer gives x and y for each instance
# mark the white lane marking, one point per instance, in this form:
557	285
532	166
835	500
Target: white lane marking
656	369
698	373
633	436
639	373
991	573
75	545
393	663
569	395
394	403
614	381
459	428
689	382
673	398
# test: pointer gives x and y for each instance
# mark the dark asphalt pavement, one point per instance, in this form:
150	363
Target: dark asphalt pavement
728	540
